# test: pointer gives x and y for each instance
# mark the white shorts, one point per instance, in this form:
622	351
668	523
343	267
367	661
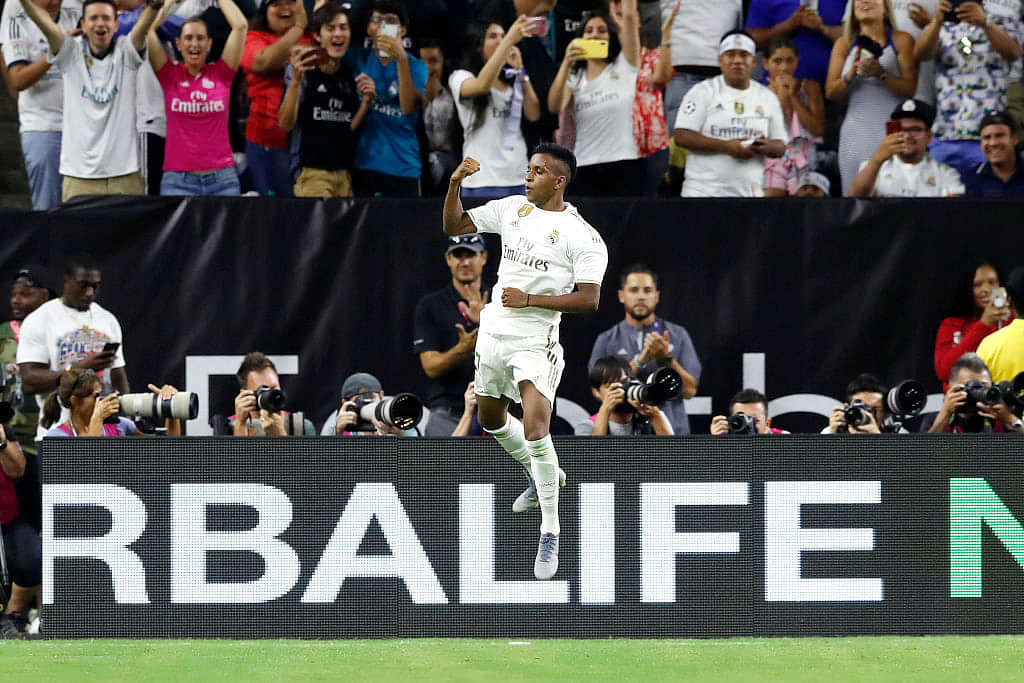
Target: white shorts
502	362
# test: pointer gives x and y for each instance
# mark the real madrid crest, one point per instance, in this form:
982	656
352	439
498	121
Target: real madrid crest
525	210
759	110
738	107
553	237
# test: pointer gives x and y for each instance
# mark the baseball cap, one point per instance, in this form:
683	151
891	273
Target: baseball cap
473	241
914	109
37	276
360	381
999	117
817	180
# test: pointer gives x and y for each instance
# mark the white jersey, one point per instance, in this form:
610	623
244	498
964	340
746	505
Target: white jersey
502	161
603	109
927	178
57	336
542	252
98	139
39	106
716	110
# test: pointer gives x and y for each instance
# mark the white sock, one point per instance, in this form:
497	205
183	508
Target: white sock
512	438
545	476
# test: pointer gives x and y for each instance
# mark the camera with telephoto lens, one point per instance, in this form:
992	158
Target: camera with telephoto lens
269	399
183	405
907	398
741	423
402	411
664	384
1012	391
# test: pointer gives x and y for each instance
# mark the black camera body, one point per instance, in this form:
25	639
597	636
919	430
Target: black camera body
857	414
741	423
269	399
977	392
1012	391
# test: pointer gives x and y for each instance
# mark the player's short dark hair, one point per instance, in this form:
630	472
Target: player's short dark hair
969	361
608	369
80	261
560	153
392	7
637	268
254	361
749	396
864	382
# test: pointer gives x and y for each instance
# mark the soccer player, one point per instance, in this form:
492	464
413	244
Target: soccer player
552	262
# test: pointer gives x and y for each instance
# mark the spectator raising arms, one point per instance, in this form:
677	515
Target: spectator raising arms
492	96
872	66
328	104
973	316
198	159
273	32
388	152
803	109
601	86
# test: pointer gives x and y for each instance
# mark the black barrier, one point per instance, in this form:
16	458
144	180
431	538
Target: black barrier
818	291
375	537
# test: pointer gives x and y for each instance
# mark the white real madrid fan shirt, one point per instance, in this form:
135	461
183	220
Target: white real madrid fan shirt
927	178
716	110
542	252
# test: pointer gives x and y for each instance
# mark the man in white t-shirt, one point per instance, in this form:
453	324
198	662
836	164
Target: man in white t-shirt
901	167
99	152
552	261
730	123
71	330
40	99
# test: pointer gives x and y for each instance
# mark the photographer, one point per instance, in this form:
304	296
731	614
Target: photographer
867	391
358	390
617	416
21	546
259	403
91	413
748	414
972	404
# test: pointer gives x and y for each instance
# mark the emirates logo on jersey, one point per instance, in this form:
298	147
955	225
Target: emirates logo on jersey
553	237
525	210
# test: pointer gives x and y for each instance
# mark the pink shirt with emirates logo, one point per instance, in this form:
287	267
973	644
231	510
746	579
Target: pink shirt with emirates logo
197	116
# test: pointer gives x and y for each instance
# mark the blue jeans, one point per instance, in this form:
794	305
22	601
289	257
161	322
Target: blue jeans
963	155
223	183
493	192
675	91
269	169
41	149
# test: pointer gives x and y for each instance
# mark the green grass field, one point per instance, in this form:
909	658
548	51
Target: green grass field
975	659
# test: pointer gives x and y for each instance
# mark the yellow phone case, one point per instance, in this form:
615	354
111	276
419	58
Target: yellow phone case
594	49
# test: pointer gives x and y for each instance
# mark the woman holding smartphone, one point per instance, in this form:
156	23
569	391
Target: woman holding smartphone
327	104
79	391
491	97
980	308
598	78
872	66
198	158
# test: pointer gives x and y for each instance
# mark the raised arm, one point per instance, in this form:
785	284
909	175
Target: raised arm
51	31
157	54
274	57
146	21
232	54
629	32
456	220
481	83
663	72
559	95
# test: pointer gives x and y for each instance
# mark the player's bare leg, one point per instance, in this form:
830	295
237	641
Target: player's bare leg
544	463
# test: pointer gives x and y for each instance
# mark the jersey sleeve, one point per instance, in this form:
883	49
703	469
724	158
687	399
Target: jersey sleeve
694	109
686	354
777	122
424	331
418	71
456	80
32	344
255	41
132	57
16	47
488	218
599	350
591	259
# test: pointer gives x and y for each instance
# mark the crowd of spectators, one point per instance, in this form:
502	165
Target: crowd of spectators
380	98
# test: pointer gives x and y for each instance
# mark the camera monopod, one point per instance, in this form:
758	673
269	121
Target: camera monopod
5	577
